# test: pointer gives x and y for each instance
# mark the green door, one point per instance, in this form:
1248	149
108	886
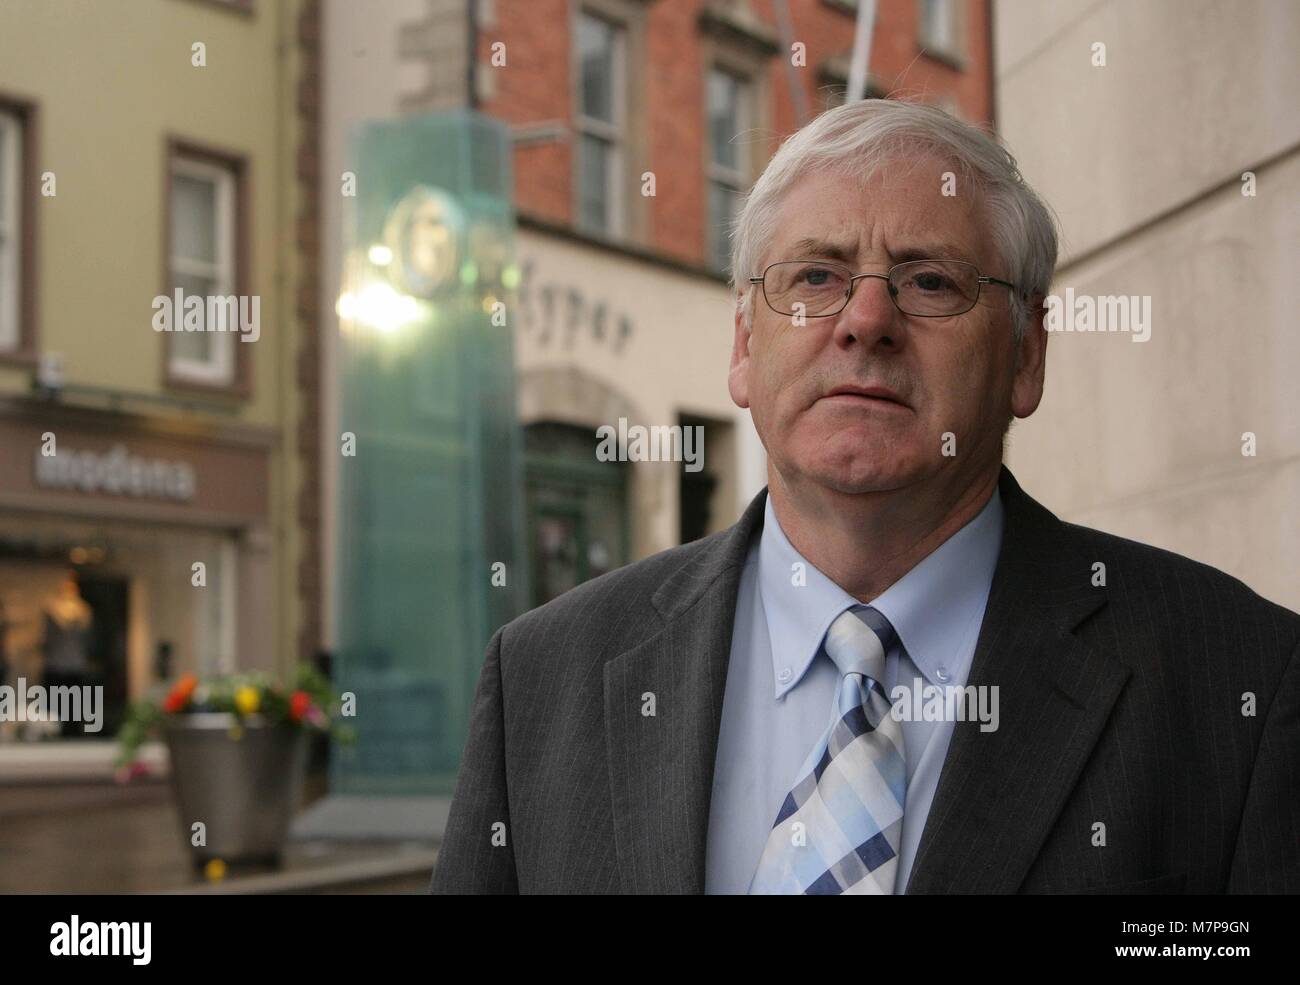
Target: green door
577	509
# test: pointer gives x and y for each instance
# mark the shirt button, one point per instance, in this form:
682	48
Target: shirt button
942	674
784	675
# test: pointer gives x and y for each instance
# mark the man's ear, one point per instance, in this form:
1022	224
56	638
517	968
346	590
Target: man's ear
1031	361
738	377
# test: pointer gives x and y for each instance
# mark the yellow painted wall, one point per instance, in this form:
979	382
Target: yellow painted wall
112	80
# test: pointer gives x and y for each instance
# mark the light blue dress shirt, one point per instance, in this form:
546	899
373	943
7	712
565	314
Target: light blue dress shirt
781	684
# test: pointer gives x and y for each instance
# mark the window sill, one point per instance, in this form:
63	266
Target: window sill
833	72
949	59
241	7
25	358
737	29
238	390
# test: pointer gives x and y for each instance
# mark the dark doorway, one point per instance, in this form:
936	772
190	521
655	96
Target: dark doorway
107	598
697	489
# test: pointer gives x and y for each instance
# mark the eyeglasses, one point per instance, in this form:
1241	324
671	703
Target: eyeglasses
921	288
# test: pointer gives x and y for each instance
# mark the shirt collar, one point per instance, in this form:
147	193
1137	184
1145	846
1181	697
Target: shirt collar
933	608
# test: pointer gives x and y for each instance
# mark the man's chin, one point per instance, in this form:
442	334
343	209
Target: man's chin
863	486
884	474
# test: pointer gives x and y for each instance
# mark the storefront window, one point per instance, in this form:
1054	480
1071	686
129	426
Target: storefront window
111	604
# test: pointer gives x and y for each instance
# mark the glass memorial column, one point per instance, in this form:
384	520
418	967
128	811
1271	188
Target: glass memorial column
430	490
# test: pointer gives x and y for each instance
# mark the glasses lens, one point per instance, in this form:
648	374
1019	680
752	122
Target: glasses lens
931	288
802	287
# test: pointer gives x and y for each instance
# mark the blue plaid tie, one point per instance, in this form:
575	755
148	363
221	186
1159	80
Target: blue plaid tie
839	828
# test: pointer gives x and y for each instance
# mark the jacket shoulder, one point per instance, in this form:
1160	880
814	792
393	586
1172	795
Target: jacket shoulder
1169	585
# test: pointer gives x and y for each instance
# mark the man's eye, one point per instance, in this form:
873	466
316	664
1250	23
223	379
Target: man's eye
932	282
819	277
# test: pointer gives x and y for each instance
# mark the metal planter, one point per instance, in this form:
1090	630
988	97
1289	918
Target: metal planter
243	781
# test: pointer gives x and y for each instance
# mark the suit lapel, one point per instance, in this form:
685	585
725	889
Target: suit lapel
1000	792
661	764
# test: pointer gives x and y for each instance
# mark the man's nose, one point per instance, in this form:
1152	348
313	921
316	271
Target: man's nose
870	317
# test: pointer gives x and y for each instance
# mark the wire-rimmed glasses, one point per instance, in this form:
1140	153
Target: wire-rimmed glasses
920	288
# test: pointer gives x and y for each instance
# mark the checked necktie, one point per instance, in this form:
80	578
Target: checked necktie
838	830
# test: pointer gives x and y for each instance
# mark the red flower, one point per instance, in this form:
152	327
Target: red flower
127	773
299	705
180	694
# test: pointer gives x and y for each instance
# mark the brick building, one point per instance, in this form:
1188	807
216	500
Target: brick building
691	65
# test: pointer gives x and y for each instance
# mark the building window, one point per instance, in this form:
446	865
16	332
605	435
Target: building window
938	32
11	167
601	124
243	6
202	261
728	99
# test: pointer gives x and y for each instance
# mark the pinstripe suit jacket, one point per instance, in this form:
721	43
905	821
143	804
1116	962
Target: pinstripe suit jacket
1125	716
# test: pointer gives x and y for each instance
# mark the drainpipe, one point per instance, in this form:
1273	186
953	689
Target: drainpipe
861	51
798	97
471	20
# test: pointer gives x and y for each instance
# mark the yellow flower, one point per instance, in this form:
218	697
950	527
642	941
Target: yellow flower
247	700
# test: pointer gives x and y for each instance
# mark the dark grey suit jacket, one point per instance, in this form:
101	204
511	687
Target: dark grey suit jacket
1120	706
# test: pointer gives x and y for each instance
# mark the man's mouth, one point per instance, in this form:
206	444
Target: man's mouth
866	395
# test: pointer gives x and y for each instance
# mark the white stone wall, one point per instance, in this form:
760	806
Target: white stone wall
1142	160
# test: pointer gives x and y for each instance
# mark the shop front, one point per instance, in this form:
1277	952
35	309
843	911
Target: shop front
132	549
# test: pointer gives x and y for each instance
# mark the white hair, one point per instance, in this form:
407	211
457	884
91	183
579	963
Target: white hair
856	139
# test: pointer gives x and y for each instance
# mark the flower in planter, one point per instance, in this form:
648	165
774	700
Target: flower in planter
125	774
247	700
180	695
242	695
299	705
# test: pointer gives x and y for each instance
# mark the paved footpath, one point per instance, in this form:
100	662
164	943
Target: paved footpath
112	838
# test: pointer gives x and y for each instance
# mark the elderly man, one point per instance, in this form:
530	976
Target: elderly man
745	713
